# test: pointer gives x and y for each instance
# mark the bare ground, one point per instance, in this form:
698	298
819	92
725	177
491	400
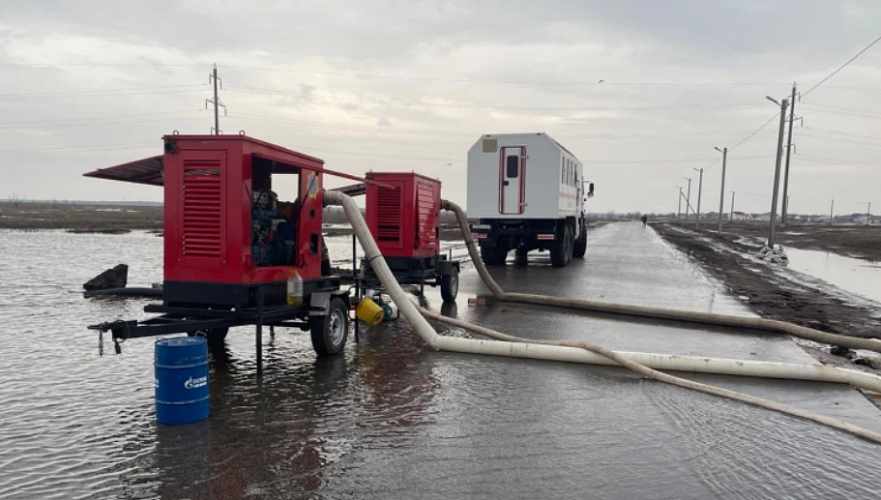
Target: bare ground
112	219
773	296
862	242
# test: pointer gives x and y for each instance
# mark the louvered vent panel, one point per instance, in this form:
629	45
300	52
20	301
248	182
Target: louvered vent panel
388	215
202	209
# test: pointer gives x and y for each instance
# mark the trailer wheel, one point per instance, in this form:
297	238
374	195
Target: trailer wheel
450	285
329	333
494	256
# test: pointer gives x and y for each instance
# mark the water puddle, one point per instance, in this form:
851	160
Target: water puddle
857	276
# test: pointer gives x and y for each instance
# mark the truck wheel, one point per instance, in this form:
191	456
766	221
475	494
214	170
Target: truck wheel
494	256
520	258
213	335
562	252
580	246
329	333
450	285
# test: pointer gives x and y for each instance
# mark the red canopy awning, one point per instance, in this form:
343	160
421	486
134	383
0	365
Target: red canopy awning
146	171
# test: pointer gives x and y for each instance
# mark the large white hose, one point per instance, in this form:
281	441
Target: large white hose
583	352
625	360
653	312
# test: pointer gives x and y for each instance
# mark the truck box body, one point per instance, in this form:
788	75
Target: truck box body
523	176
525	192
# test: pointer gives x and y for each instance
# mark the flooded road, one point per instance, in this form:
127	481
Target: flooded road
392	419
862	277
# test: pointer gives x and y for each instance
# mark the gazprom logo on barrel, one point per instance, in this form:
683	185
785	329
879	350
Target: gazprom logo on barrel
195	383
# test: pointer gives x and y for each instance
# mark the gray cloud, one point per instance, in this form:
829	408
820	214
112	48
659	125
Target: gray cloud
443	58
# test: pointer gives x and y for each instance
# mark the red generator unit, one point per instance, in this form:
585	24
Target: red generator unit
403	214
234	253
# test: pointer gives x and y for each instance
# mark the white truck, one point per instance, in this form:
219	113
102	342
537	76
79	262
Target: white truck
526	192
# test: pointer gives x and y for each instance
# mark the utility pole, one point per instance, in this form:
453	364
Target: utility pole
789	146
212	78
731	216
868	213
700	190
724	152
679	210
783	106
831	212
688	199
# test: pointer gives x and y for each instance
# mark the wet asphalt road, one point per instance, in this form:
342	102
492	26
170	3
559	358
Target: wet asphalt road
393	419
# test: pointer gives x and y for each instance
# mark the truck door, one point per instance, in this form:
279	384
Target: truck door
512	180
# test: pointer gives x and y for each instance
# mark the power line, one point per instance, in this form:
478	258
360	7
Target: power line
852	59
96	147
344	126
837	139
842	108
834	112
352	100
100	91
755	132
836	160
829	131
152	65
31	122
168	121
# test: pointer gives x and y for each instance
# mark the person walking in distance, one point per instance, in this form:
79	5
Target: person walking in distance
645	220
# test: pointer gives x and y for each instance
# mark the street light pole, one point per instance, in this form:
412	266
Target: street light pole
688	199
724	152
783	106
700	189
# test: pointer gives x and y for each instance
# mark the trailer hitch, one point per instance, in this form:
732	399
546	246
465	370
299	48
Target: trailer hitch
118	329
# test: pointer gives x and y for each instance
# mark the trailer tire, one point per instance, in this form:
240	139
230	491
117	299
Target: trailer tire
562	253
329	333
494	256
450	285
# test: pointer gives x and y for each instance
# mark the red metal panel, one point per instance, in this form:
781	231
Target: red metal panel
404	221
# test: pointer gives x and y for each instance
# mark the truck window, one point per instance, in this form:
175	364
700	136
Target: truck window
513	167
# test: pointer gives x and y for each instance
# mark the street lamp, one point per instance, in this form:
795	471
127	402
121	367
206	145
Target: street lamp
700	188
722	189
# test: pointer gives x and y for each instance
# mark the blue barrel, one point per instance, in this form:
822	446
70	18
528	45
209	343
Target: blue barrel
181	365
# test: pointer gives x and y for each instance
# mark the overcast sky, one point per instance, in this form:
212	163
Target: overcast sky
388	85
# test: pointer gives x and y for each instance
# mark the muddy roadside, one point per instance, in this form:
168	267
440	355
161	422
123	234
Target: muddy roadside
862	242
770	294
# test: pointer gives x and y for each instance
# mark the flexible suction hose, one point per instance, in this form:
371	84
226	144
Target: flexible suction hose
653	312
583	352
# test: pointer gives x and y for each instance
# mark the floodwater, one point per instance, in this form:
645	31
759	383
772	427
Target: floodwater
862	277
392	419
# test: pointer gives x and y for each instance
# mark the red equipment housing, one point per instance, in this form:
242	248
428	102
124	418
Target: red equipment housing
404	221
209	186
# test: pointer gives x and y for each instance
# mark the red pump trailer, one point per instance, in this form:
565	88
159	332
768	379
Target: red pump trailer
403	214
231	247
